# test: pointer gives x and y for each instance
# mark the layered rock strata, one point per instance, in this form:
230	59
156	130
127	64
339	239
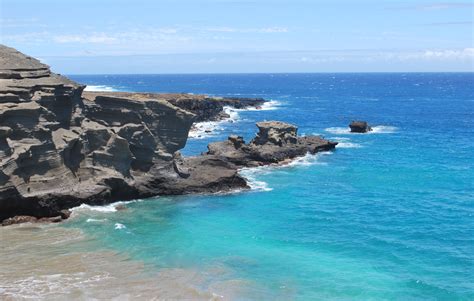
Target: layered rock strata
206	108
275	142
60	147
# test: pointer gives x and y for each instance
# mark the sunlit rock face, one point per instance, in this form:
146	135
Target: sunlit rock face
58	149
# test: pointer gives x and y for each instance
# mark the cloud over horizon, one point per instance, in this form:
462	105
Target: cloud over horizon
424	32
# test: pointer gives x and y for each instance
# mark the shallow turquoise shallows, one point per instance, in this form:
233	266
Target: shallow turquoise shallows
387	215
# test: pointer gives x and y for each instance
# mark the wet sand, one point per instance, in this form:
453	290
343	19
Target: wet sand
49	262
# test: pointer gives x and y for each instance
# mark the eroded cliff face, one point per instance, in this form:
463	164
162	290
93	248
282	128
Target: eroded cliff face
60	147
58	150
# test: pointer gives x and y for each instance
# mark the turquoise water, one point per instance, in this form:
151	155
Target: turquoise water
387	215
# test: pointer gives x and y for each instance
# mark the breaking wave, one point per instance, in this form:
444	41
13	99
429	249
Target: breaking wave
251	174
99	88
206	129
348	145
380	129
267	106
119	226
105	208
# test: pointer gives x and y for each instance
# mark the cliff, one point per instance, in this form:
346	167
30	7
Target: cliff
60	147
206	108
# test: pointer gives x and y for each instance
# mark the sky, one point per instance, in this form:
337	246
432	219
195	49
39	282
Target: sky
241	36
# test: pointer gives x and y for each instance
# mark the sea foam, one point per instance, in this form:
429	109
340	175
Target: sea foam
206	129
345	144
119	226
380	129
251	174
105	208
99	88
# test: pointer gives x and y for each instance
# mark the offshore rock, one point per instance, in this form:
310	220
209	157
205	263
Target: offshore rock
360	127
276	142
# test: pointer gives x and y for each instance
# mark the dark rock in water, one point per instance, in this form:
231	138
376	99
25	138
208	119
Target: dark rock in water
65	214
275	142
120	207
360	127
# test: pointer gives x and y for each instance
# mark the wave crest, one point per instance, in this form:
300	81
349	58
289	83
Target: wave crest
379	129
105	208
99	88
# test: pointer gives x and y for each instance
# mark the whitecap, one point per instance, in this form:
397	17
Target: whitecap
233	114
119	226
201	130
250	175
105	208
383	129
306	160
380	129
99	88
266	106
348	145
207	129
339	138
338	130
94	220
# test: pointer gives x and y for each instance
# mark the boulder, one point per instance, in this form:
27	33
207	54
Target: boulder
360	127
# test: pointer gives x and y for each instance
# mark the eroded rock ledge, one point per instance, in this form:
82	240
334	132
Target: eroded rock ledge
276	142
60	147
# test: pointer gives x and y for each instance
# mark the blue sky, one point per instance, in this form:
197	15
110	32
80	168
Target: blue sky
224	36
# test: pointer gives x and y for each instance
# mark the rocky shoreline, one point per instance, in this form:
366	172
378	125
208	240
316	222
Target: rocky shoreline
61	147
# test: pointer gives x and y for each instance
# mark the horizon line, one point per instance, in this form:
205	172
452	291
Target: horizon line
264	73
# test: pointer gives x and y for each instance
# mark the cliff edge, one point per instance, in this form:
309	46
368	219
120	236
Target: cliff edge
60	147
58	150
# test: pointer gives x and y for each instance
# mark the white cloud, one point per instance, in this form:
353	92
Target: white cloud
450	54
100	38
17	23
438	55
439	6
274	29
446	5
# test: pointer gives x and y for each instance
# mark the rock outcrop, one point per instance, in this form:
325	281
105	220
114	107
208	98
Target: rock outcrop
276	142
360	127
205	108
60	147
58	150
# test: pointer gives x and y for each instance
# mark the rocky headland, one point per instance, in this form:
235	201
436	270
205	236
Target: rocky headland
61	147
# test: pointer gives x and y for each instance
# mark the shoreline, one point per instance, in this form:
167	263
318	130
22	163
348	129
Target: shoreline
61	146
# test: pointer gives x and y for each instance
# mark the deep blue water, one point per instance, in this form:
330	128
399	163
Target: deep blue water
387	215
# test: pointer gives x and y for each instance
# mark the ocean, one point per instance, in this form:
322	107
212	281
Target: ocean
388	215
